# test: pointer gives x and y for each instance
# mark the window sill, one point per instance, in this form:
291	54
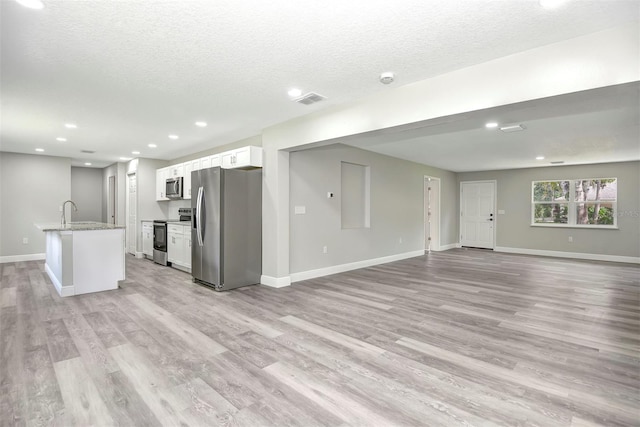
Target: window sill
587	227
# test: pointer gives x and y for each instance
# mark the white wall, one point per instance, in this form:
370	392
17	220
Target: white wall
86	192
396	208
514	230
32	189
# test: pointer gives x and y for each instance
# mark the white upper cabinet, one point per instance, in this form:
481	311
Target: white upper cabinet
161	183
245	157
176	170
210	161
186	182
240	158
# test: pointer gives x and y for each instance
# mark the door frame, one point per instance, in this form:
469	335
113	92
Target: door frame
495	208
131	234
112	210
435	246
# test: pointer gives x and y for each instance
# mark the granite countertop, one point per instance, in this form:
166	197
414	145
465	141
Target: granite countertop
78	226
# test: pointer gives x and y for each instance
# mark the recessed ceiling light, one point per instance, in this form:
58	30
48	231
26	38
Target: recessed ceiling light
152	145
294	92
87	164
70	125
31	4
173	137
135	152
551	4
39	150
491	125
125	158
61	139
540	158
201	124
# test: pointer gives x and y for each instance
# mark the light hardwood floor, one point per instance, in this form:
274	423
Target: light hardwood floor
463	337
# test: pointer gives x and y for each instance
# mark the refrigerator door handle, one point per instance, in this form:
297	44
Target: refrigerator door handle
199	216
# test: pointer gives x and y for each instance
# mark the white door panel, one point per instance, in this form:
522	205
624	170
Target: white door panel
477	218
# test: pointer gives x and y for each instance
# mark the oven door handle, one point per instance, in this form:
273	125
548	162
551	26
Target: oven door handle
199	215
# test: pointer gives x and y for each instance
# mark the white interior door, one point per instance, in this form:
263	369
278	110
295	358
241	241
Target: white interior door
131	214
432	214
477	216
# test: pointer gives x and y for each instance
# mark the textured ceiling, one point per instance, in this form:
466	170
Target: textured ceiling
130	73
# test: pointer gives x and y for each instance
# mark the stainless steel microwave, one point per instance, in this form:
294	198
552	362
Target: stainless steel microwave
174	188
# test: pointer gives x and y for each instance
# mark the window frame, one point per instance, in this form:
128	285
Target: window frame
572	205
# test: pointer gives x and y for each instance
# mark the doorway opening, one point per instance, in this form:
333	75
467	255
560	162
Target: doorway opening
131	214
431	214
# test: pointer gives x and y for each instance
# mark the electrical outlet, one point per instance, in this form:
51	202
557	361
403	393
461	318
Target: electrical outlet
60	208
570	239
400	240
324	250
25	240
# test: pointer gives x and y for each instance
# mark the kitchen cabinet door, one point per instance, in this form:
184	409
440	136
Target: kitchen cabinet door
147	239
187	247
175	247
161	184
245	157
186	182
176	170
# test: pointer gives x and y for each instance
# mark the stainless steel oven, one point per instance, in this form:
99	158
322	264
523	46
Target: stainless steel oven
160	242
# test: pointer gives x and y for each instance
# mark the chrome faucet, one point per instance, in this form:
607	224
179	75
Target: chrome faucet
64	205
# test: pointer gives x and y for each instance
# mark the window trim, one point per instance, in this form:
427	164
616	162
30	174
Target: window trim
572	205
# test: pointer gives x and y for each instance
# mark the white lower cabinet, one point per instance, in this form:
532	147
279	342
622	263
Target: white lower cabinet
187	246
147	239
179	246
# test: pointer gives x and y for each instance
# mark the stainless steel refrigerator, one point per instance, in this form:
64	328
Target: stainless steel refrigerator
226	227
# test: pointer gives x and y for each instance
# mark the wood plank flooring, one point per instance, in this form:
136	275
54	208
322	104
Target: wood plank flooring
463	337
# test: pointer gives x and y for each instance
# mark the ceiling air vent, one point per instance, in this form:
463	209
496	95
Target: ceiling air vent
512	128
557	162
310	98
87	151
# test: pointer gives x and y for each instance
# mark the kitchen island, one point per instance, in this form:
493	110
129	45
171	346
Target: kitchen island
84	257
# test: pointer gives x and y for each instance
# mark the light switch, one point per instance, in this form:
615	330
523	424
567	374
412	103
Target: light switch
500	211
300	210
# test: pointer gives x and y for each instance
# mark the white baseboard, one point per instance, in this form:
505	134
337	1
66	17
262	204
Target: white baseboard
312	274
446	247
275	282
20	258
63	291
574	255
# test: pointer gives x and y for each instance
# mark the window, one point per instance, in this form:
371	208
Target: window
575	203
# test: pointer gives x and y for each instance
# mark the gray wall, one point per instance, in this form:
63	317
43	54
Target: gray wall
32	189
514	196
86	192
397	208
